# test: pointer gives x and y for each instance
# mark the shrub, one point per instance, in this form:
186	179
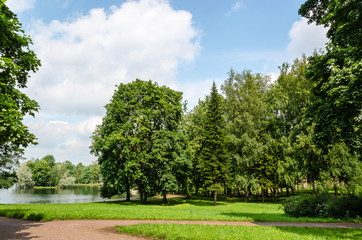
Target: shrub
324	205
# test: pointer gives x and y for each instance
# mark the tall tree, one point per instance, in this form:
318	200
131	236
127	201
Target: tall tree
245	109
136	116
215	164
337	74
288	99
16	63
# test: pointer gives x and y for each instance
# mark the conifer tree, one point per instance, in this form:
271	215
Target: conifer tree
213	155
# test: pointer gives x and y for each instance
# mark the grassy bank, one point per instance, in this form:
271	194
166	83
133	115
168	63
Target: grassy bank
194	232
194	209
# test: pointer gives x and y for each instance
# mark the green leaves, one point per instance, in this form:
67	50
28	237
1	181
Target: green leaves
136	142
16	62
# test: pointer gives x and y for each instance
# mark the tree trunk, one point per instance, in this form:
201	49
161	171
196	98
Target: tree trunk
275	195
145	197
140	191
128	198
288	193
164	197
262	194
215	197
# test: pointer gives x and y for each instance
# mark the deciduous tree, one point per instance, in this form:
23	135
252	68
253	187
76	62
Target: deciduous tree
16	63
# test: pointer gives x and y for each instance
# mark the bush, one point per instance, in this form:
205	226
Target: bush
324	205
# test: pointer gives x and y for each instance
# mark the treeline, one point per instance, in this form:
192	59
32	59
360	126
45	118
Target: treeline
254	138
48	172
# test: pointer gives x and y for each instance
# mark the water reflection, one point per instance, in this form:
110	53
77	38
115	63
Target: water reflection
71	194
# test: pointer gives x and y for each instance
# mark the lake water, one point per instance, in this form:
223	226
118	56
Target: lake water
72	194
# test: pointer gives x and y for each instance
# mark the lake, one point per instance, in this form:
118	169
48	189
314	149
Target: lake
71	194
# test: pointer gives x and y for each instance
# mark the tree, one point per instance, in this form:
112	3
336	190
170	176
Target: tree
41	173
124	142
194	126
24	176
50	160
287	101
245	111
16	63
215	165
337	74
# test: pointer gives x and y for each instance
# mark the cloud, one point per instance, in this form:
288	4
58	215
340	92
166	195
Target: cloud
236	6
63	139
84	59
19	6
87	127
305	38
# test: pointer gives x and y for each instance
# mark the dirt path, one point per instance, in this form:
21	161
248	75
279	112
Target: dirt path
104	229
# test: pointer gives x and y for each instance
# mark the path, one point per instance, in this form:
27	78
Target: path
15	229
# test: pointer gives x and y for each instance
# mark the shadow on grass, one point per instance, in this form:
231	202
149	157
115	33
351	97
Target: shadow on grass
21	214
196	201
259	217
327	233
16	229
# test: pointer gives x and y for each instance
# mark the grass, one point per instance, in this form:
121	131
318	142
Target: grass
190	232
194	209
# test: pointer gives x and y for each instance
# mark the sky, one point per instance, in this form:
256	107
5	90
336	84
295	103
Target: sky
87	47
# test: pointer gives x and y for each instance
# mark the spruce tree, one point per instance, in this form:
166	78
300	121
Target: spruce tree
214	158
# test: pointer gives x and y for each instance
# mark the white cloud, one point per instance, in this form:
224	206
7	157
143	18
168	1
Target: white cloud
19	6
87	127
305	38
236	6
64	140
83	60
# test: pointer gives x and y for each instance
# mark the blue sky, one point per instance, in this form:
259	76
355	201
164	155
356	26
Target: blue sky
88	46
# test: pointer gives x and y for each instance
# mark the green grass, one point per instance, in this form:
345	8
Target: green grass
190	232
194	209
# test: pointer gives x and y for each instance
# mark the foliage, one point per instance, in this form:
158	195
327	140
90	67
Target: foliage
324	205
139	115
16	63
336	74
24	177
66	181
210	232
214	162
245	109
41	173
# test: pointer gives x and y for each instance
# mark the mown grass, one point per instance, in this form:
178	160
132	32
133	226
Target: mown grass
194	209
209	232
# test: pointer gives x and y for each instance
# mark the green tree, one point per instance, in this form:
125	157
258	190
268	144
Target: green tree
50	160
214	161
41	173
16	63
287	101
124	141
337	74
245	111
78	172
194	127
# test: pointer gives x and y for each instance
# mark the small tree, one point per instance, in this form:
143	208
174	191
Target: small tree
24	176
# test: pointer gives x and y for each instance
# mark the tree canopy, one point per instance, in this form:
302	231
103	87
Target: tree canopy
16	63
133	144
336	96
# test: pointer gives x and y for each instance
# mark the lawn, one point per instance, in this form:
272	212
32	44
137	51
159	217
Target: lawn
194	209
208	232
